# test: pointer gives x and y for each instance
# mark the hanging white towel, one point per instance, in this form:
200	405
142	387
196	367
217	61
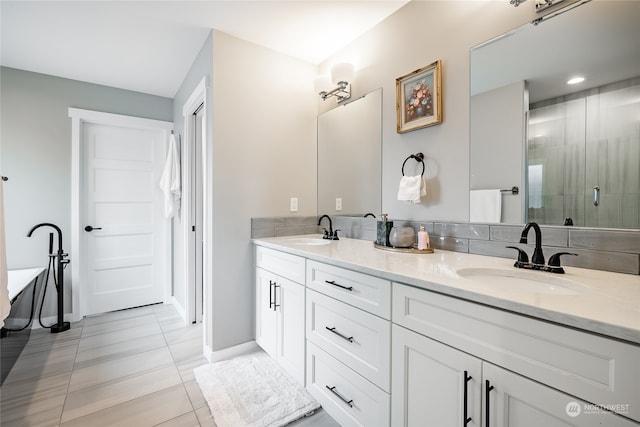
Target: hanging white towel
5	304
170	180
485	206
412	188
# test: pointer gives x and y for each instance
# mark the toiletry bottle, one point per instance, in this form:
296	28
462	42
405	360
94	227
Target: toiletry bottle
383	230
423	239
389	225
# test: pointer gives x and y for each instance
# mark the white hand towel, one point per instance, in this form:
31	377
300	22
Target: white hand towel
412	188
485	206
170	180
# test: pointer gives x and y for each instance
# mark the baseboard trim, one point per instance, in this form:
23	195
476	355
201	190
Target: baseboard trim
229	352
180	309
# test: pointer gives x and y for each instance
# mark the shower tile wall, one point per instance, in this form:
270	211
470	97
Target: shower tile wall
581	141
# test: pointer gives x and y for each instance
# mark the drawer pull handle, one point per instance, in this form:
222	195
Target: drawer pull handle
271	302
333	390
275	296
488	388
465	417
344	337
332	282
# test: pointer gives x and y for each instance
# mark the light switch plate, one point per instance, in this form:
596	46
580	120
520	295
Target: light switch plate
293	204
338	203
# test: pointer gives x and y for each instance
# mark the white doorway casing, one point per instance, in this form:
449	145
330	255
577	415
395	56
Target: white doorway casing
196	298
80	261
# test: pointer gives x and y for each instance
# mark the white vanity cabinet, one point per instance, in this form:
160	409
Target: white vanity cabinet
438	385
546	371
432	383
388	354
348	332
280	308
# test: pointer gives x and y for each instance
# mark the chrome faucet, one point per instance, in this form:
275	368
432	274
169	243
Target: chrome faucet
537	260
328	234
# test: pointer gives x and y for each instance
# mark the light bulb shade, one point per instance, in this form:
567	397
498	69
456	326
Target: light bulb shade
321	83
342	72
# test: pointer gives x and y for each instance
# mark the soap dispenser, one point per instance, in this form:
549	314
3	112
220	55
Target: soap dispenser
423	239
383	230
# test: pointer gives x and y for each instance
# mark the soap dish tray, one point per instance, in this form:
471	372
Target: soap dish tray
412	250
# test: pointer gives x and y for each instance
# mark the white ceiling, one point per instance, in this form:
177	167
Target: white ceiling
148	46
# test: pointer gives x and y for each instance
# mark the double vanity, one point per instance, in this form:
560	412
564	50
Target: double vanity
383	338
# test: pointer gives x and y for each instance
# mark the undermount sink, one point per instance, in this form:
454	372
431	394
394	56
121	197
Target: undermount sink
532	281
309	241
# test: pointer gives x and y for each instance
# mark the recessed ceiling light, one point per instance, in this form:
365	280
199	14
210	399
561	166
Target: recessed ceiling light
575	80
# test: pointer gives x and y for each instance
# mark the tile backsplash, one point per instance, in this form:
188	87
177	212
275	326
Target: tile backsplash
599	249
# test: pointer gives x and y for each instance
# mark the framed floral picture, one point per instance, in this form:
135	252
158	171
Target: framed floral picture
419	98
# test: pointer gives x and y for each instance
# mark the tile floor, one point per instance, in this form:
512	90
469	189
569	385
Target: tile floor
126	368
129	368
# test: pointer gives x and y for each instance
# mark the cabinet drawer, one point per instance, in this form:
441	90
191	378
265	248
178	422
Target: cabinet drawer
369	293
358	339
346	396
281	263
596	369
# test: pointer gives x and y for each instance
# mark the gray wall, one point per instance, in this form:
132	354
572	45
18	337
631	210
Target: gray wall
36	155
416	35
497	132
263	153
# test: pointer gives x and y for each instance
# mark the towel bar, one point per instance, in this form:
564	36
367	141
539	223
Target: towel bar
419	158
513	190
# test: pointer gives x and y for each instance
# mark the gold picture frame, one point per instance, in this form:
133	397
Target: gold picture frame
419	98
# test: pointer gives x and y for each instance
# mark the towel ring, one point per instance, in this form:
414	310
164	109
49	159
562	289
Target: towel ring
419	158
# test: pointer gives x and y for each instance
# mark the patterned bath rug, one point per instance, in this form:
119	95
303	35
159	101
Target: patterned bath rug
252	390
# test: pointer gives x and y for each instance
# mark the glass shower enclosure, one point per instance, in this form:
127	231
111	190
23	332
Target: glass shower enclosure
583	158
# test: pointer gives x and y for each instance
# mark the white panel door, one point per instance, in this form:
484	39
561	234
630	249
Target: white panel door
520	402
290	336
123	203
266	315
431	383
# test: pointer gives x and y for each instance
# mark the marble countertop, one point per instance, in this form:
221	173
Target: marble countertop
606	303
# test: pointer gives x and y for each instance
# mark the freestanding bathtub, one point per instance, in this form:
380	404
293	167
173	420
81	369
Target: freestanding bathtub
22	284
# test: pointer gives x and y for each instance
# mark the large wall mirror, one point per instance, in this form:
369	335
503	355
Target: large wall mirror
350	157
574	148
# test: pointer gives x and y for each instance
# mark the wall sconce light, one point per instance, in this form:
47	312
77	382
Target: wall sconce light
341	75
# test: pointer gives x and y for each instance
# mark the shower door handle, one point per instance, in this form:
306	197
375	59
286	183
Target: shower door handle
89	228
596	195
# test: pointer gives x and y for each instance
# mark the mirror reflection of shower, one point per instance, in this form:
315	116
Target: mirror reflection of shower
583	158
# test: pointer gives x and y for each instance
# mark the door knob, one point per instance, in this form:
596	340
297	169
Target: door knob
90	228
